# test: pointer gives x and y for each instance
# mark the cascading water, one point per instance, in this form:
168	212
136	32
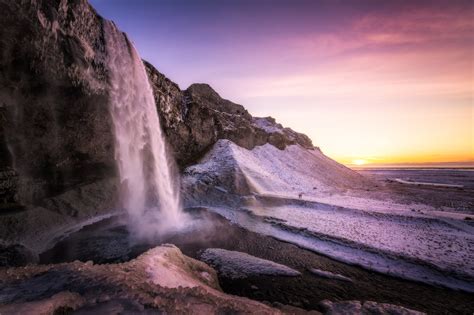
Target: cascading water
149	192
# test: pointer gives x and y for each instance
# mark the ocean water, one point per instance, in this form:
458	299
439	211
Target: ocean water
447	176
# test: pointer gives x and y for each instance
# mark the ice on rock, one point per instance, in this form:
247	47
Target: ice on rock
329	275
232	264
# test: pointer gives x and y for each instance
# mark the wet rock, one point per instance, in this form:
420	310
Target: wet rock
162	280
56	131
8	187
39	227
16	255
56	139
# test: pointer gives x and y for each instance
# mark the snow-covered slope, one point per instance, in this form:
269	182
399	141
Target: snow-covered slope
266	170
301	196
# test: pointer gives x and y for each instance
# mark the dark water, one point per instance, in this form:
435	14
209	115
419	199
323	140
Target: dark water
464	177
109	241
103	242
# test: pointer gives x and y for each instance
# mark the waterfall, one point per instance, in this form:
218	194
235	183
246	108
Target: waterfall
149	191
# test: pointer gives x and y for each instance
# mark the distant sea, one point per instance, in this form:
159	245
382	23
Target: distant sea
428	174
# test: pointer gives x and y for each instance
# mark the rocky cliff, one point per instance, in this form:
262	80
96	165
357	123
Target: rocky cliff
194	119
56	131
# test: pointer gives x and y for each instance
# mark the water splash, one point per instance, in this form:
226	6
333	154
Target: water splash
149	190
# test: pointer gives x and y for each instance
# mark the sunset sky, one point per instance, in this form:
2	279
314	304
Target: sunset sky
368	81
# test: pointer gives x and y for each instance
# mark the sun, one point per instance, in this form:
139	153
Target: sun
359	162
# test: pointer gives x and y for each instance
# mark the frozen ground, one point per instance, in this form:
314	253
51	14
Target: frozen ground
430	240
303	197
350	252
235	265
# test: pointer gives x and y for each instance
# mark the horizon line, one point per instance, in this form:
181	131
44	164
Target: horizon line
462	164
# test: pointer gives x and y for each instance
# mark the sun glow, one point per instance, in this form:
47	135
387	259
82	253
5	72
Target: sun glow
359	162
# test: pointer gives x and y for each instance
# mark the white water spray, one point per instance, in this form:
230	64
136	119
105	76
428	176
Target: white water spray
149	192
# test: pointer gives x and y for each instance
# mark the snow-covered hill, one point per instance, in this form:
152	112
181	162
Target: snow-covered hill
301	196
294	172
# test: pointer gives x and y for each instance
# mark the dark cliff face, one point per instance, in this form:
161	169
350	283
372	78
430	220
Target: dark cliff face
56	132
194	119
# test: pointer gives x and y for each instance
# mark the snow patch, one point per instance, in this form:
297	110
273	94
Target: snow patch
329	275
350	253
232	264
423	240
169	268
267	125
266	170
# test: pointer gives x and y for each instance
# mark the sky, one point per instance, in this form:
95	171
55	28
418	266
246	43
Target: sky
370	82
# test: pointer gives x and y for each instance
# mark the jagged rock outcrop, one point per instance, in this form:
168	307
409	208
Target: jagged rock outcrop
194	119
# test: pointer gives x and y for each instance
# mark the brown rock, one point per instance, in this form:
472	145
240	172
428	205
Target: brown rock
56	130
194	119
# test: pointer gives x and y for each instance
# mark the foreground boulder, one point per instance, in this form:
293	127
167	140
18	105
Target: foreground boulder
160	280
234	265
